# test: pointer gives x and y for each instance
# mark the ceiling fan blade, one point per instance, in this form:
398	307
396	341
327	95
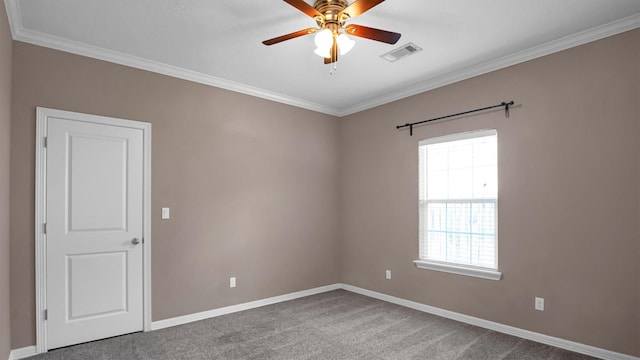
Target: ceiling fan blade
384	36
289	36
334	54
304	7
359	6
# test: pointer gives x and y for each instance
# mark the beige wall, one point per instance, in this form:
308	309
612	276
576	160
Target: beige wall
569	177
257	189
5	141
252	184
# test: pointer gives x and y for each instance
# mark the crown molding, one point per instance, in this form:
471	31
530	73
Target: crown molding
590	35
13	15
57	43
19	33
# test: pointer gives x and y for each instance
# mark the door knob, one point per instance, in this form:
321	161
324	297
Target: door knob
135	241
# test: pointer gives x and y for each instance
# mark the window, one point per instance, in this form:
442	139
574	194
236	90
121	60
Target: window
458	204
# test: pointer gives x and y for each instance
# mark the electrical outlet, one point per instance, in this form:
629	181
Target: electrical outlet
388	274
232	282
539	304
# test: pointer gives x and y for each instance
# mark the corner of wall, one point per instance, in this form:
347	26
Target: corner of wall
6	44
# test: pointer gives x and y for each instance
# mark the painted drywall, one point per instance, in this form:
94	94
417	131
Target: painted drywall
569	177
5	141
257	190
252	185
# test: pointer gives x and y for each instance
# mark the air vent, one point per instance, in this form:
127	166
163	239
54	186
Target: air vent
403	51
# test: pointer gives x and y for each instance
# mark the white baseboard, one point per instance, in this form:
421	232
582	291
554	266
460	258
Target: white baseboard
506	329
161	324
23	353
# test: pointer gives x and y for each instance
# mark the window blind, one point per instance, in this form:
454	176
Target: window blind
458	199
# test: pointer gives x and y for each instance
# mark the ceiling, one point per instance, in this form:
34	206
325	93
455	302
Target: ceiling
218	42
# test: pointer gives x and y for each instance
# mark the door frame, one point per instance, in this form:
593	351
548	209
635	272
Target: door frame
42	116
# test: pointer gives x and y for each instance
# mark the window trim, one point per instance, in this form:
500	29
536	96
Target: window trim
483	273
454	268
458	136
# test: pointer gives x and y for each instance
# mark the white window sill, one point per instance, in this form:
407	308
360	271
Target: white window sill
459	269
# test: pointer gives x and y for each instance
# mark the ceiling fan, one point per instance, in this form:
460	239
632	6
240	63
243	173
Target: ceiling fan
331	34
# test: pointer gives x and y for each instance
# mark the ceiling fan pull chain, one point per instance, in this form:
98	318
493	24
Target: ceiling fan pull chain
333	67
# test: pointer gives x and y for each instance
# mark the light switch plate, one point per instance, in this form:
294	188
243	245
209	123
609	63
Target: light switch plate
165	213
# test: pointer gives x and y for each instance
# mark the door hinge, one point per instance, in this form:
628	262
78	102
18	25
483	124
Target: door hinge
46	314
44	228
45	141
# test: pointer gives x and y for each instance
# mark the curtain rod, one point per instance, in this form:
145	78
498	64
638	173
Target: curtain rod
504	104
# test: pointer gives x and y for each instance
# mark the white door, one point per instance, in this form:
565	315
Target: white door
94	217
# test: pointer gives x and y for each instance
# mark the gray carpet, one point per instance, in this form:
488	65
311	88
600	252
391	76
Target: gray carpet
333	325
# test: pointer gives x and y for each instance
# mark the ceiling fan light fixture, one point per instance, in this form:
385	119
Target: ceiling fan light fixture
344	43
331	34
324	39
325	53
